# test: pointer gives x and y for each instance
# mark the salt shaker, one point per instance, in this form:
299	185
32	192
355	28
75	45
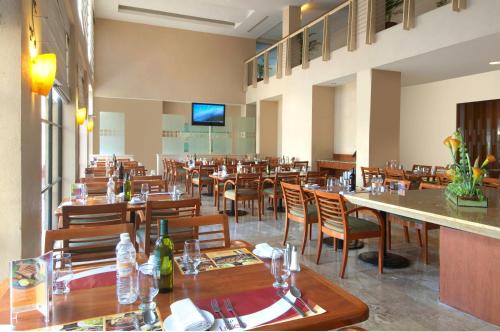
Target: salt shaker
294	261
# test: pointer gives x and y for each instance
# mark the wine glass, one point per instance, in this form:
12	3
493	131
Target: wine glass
192	256
62	273
148	286
279	268
144	191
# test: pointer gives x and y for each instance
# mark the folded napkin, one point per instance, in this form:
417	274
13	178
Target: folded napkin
188	317
263	250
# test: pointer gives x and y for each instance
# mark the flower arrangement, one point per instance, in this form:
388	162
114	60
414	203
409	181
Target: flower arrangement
466	178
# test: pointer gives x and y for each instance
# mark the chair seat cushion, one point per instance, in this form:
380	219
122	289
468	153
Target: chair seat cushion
270	191
356	225
312	212
241	192
196	180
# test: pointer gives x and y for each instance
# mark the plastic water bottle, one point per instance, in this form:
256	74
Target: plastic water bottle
126	271
110	193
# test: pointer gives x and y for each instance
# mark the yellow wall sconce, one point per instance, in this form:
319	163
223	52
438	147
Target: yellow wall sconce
43	73
90	123
81	115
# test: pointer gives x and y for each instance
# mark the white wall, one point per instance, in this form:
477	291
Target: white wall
428	114
344	123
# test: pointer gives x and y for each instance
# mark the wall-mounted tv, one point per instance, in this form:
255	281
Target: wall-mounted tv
208	114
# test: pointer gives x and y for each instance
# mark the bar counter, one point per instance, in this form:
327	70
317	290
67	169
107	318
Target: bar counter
469	245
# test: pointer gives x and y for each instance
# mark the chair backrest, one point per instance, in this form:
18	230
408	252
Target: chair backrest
168	209
130	164
426	185
368	173
146	177
300	164
331	210
316	178
94	179
424	168
491	183
443	179
407	183
395	174
99	171
155	186
440	169
204	170
294	198
212	231
88	244
93	215
248	181
97	188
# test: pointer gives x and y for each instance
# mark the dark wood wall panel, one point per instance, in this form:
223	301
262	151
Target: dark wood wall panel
480	124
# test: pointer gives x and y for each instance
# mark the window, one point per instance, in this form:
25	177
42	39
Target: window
51	140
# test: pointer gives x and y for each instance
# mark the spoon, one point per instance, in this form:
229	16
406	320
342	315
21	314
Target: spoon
296	292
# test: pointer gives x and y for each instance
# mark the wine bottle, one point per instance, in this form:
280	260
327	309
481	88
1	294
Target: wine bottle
127	188
164	255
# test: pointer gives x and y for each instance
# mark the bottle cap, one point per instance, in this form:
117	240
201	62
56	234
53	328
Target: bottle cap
124	237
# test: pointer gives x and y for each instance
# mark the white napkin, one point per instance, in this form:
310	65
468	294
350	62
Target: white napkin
263	250
188	317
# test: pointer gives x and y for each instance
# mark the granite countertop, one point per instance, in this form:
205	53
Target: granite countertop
432	206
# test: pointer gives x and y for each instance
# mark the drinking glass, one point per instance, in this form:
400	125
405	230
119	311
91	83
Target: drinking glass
62	273
148	286
83	191
192	256
279	268
144	191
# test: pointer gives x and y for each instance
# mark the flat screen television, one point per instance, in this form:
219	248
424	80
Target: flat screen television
208	114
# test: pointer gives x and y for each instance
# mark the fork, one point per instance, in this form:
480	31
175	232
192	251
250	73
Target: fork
230	308
216	309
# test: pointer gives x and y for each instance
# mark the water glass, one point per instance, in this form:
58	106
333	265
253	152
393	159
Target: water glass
144	191
192	256
148	286
279	268
62	273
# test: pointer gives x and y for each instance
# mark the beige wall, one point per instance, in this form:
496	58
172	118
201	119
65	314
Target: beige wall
147	62
142	126
322	123
267	134
428	114
344	123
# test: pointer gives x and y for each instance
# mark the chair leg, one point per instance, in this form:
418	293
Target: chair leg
275	207
407	234
287	224
310	231
419	237
192	189
236	211
260	209
381	242
252	207
335	244
216	196
345	255
426	245
224	204
304	240
319	246
389	235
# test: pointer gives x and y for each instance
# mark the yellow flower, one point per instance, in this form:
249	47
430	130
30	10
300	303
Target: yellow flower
451	174
447	141
489	159
476	173
452	143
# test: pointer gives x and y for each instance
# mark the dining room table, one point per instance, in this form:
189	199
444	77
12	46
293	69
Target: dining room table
247	287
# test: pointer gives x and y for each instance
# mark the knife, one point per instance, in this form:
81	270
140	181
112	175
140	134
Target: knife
297	309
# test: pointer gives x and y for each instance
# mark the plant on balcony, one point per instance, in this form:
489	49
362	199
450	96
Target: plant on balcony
466	178
392	7
442	3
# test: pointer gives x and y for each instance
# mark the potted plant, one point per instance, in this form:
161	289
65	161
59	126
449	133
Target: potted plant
392	7
464	190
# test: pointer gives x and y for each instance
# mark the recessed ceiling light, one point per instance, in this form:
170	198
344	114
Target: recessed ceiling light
494	63
305	7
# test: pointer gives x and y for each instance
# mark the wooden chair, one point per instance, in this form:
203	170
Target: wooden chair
97	188
95	243
336	221
94	179
316	178
300	164
93	215
201	177
299	209
145	177
134	171
166	209
179	174
213	232
271	187
395	219
491	183
368	173
394	174
443	179
155	186
424	168
246	187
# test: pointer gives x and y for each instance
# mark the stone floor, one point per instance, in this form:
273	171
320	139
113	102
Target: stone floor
399	299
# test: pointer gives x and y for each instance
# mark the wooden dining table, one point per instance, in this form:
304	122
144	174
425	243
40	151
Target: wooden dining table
342	308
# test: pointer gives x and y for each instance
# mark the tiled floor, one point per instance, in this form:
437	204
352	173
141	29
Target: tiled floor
403	299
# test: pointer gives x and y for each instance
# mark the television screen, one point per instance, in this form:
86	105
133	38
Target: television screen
208	114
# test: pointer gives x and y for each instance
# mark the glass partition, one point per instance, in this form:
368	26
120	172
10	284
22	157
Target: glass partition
424	6
315	40
388	13
249	71
273	61
337	29
260	68
112	133
245	139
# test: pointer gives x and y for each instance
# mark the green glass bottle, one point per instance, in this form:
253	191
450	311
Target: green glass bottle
127	188
164	258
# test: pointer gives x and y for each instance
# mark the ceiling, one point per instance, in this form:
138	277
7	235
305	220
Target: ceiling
240	18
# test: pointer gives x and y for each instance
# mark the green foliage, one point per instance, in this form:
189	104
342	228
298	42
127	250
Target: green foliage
442	3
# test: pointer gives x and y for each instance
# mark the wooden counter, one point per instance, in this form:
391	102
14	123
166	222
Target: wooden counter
469	245
335	166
